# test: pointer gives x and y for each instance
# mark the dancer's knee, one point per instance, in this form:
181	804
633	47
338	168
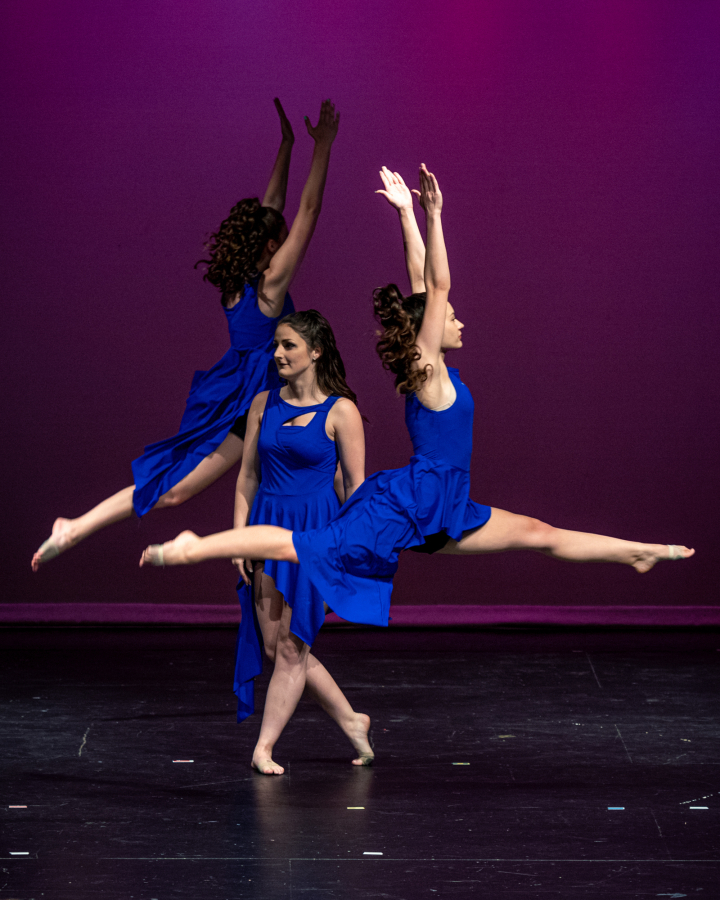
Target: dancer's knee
288	652
174	497
538	535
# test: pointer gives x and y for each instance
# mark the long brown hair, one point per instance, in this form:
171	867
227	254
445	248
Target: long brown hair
400	318
315	330
236	247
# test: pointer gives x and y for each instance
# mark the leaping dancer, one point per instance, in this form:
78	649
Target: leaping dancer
252	261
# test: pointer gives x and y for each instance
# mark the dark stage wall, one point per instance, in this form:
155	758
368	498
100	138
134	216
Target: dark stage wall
577	148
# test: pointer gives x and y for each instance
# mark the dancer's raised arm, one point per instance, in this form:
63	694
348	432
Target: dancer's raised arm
278	271
437	273
399	196
277	186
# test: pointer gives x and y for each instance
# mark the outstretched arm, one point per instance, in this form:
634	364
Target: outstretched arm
277	186
277	277
400	198
437	273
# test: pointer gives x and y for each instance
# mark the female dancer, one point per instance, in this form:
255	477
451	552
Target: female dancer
296	435
352	560
252	261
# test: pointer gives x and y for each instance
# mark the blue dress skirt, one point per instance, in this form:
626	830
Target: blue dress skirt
217	399
351	561
297	468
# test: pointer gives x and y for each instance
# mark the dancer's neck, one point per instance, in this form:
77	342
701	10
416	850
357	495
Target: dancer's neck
303	390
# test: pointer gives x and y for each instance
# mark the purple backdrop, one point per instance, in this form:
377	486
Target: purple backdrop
577	148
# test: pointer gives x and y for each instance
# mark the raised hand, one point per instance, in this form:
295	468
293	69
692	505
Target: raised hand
429	194
327	127
285	126
396	192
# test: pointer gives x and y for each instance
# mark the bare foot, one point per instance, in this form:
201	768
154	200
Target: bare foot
652	553
60	540
358	734
265	766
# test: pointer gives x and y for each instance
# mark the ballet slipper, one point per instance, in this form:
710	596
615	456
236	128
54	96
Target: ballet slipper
157	557
367	760
48	550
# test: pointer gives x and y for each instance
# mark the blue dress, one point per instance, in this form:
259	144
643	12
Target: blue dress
217	398
297	469
352	560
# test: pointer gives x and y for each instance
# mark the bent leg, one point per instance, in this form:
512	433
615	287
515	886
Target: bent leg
66	533
508	531
270	604
323	688
205	473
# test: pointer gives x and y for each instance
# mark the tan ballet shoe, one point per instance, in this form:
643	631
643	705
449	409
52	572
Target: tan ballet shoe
48	550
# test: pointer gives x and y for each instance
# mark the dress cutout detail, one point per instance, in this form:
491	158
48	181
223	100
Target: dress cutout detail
297	466
217	399
352	560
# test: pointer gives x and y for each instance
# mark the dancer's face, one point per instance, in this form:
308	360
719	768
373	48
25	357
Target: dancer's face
293	357
452	336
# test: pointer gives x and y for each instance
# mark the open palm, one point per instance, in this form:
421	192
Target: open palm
396	191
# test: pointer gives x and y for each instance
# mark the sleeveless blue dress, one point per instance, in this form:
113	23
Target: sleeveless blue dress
352	560
217	398
297	468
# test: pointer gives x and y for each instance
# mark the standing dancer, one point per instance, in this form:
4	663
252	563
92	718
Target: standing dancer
426	505
252	261
296	435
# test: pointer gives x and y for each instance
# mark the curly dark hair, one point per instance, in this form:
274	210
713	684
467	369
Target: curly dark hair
315	330
236	247
400	318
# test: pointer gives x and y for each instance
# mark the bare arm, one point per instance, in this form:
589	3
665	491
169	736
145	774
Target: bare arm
345	427
248	479
277	277
277	186
400	198
437	273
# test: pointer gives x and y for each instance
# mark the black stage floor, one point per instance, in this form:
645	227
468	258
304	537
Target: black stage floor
568	764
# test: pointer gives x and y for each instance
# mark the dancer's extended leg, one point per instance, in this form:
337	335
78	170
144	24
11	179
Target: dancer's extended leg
68	532
252	542
508	531
319	683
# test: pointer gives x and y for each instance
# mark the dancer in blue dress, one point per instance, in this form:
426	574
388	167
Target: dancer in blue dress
296	436
425	505
252	261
